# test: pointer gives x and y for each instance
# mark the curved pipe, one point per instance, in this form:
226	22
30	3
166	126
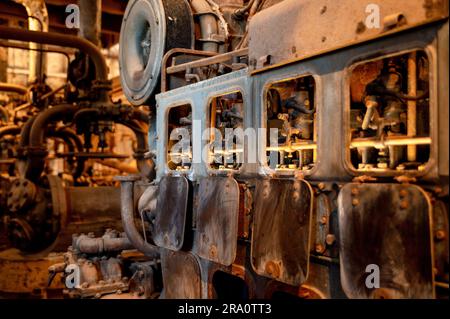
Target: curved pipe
74	143
37	152
54	114
208	24
25	133
145	166
9	130
140	116
127	214
6	87
4	115
63	40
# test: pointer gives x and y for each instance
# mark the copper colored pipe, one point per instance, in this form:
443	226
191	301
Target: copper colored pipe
63	40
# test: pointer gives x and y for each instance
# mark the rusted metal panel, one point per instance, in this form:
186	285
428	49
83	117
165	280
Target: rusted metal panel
170	221
387	225
282	227
326	25
217	219
181	275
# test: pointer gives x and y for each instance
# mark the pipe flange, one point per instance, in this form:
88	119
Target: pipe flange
21	195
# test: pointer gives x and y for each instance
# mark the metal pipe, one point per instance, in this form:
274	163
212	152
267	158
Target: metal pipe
127	214
145	166
411	126
37	152
90	20
87	245
220	58
63	40
74	143
4	115
55	113
25	133
208	24
9	130
15	88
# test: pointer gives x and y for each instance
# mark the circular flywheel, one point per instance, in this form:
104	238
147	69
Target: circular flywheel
149	29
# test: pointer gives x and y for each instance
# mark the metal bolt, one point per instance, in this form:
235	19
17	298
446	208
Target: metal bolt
355	202
440	234
355	191
403	204
213	251
319	248
330	239
403	193
321	186
324	220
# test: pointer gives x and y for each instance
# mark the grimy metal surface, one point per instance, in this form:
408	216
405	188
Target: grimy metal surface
281	230
171	209
324	26
181	275
217	212
387	225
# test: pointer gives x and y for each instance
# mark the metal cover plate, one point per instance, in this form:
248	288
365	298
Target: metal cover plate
282	227
387	225
181	275
217	220
170	220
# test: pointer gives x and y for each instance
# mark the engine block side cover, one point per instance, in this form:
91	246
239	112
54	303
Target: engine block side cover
149	29
281	230
386	226
172	204
217	220
181	275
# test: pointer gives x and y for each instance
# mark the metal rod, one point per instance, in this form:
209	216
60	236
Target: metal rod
412	105
399	141
220	58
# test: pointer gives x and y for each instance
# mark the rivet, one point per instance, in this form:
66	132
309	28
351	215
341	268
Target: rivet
440	234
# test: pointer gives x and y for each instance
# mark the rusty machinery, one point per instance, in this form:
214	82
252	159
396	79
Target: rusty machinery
41	210
356	174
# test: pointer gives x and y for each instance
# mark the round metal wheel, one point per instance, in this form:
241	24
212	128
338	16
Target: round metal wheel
149	29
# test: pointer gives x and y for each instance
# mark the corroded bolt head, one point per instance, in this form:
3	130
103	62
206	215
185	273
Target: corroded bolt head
323	220
212	251
440	234
321	186
319	248
355	202
330	239
355	191
403	204
403	193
